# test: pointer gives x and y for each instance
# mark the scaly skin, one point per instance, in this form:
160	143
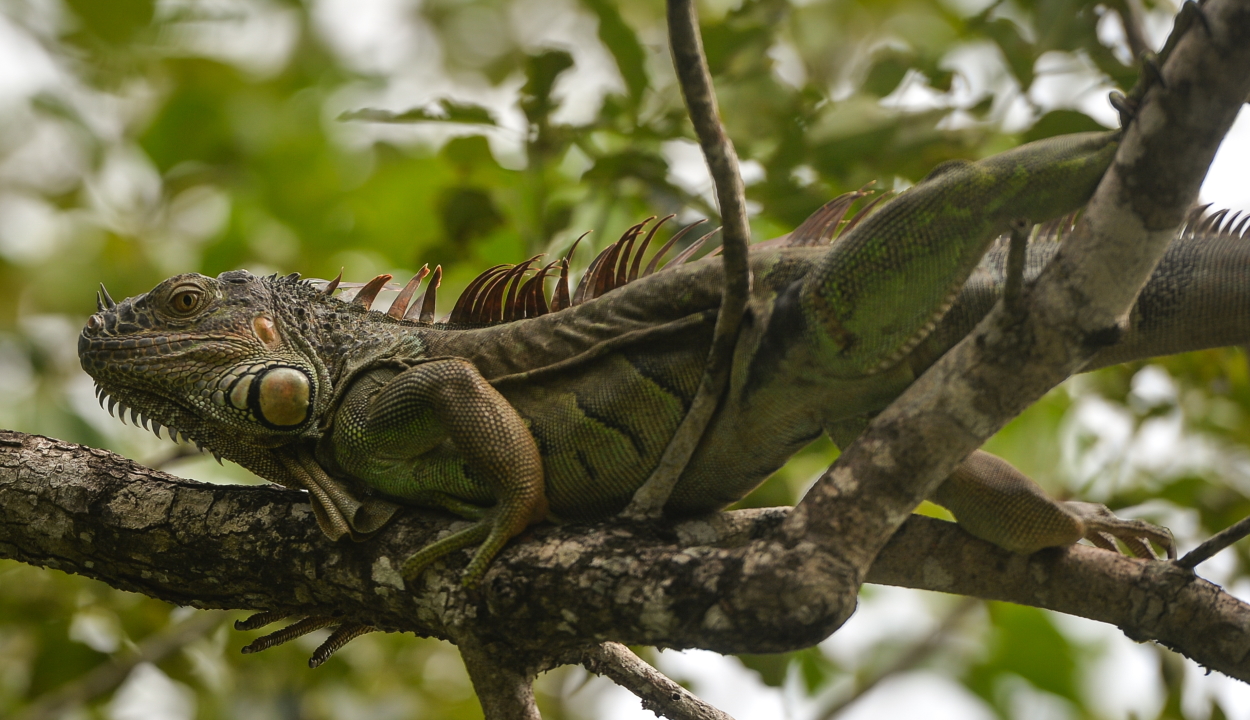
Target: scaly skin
564	416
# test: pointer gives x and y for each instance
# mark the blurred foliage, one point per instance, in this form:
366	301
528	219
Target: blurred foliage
140	139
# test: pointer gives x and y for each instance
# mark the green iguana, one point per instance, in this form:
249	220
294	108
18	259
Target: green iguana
515	411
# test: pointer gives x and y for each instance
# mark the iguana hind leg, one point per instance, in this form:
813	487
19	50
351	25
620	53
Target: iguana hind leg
392	432
996	502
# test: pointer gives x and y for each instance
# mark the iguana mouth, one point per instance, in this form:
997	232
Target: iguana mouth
137	418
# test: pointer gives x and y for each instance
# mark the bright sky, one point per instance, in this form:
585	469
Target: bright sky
1228	181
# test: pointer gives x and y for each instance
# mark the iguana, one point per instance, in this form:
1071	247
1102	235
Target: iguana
517	410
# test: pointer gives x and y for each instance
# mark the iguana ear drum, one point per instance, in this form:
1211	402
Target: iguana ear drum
280	397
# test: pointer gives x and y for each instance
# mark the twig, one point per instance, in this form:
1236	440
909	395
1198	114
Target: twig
657	692
1013	287
908	660
1215	543
696	85
111	674
1130	12
179	452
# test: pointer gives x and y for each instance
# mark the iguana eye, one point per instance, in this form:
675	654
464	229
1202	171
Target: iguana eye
185	300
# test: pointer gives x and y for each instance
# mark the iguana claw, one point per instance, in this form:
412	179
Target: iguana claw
1103	528
1152	63
343	634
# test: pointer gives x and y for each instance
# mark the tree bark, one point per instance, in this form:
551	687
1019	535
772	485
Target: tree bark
91	512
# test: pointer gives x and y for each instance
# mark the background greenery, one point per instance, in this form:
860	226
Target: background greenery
140	139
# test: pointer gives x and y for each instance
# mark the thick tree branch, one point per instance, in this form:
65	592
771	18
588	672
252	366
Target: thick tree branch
1147	600
1075	306
91	512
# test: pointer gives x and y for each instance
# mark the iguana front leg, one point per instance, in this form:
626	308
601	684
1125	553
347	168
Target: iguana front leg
994	501
881	288
439	435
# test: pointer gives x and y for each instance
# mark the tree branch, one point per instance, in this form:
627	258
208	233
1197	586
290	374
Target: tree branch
658	693
505	690
1215	544
722	163
94	513
745	582
1009	362
1147	600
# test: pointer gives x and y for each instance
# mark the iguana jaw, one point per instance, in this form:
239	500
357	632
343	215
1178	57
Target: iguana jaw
204	358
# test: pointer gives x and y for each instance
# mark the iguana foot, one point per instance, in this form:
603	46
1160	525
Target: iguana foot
492	531
427	555
343	634
1152	64
1103	528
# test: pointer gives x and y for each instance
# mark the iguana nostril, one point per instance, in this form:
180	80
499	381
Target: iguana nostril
94	322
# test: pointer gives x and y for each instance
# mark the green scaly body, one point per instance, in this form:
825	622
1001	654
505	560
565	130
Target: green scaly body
565	415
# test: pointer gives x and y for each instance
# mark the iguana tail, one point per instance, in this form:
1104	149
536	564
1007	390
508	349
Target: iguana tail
1198	296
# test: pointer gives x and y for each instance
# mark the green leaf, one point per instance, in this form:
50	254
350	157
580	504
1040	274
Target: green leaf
1019	53
815	669
646	166
449	111
541	73
115	21
467	213
886	74
1049	662
1061	122
621	41
771	668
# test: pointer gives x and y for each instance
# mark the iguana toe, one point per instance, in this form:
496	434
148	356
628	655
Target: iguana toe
1103	529
476	533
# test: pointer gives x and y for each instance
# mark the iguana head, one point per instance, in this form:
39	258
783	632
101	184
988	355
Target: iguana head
221	360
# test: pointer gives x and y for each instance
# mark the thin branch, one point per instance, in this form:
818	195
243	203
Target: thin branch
561	585
1130	12
1215	544
108	676
696	84
179	452
658	693
1013	288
